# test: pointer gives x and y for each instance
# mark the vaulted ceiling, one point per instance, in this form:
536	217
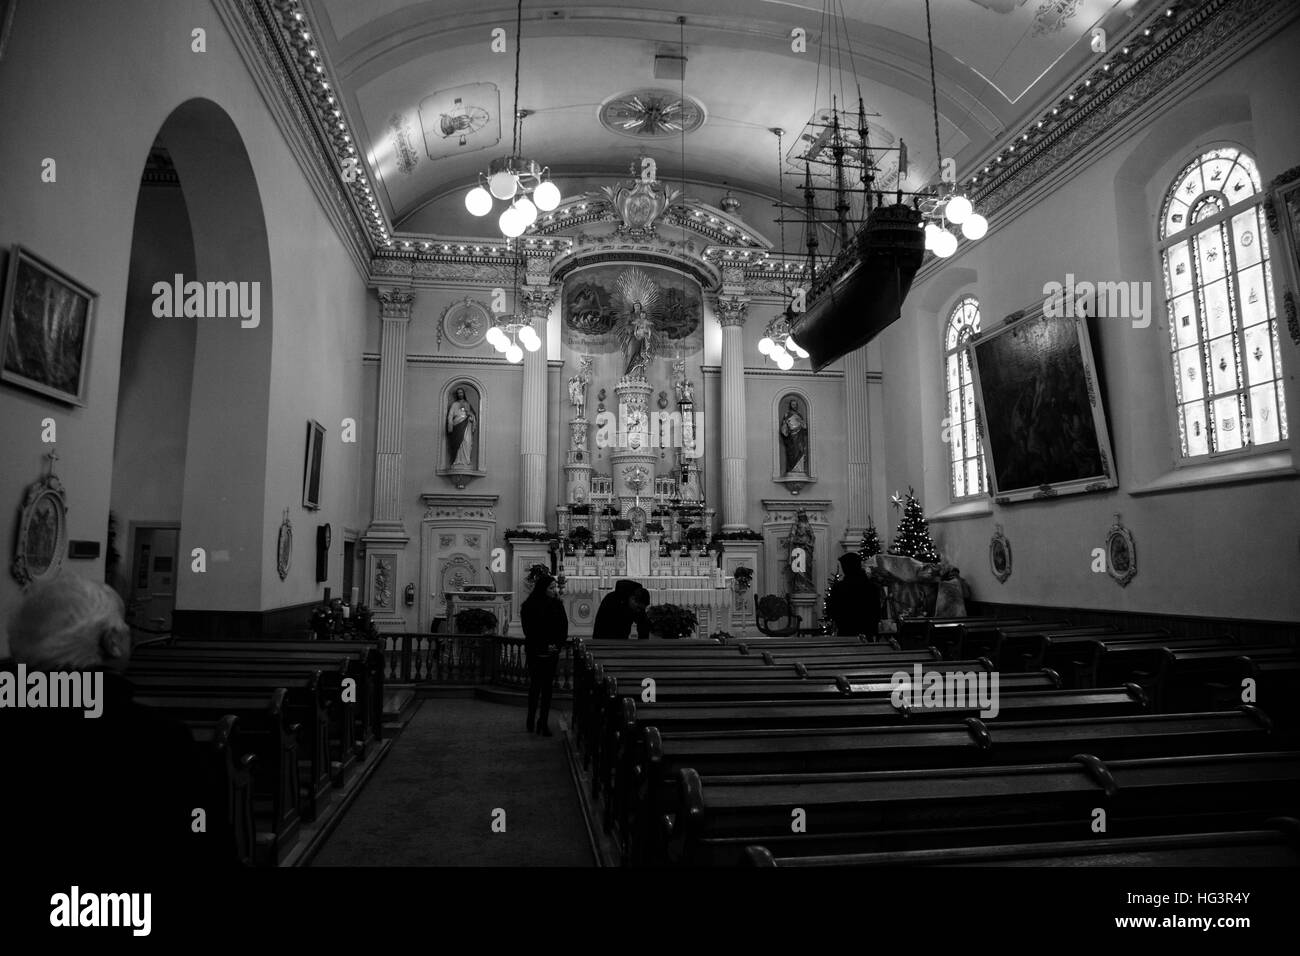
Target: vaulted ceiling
430	101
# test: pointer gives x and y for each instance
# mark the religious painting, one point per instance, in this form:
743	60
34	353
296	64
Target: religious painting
1121	554
45	329
461	445
792	428
42	531
462	119
1040	408
649	309
312	465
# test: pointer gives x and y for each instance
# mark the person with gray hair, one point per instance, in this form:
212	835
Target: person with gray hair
71	623
118	790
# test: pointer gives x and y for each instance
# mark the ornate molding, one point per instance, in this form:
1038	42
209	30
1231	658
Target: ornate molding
459	507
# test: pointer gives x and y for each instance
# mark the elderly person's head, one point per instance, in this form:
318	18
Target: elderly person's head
70	623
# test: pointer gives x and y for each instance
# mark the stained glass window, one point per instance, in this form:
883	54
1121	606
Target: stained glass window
966	453
1223	338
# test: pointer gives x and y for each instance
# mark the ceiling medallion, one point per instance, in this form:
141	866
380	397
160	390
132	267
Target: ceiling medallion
650	113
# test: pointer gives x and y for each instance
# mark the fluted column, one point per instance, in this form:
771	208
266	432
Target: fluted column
395	315
731	312
532	435
857	445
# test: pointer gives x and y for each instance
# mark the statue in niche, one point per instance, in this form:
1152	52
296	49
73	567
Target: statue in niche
794	439
578	386
462	424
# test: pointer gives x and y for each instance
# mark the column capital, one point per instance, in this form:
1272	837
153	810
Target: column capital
731	310
538	300
395	303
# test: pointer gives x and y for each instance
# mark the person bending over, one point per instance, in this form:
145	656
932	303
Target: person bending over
619	610
546	631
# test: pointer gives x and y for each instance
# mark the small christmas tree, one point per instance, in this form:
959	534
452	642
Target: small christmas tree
912	539
870	543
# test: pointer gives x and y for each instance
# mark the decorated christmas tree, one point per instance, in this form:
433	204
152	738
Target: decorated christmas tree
870	542
912	538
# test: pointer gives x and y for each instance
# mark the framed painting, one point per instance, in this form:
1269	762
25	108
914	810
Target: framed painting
1039	406
42	532
46	320
311	466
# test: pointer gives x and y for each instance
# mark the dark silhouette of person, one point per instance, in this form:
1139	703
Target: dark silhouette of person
855	599
546	630
111	785
619	610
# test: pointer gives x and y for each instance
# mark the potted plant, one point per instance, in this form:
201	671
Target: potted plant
654	527
671	621
476	620
695	538
581	538
743	577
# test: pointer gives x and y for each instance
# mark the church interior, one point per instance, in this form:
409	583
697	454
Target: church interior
914	376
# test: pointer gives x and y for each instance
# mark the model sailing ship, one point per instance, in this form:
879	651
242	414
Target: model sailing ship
859	291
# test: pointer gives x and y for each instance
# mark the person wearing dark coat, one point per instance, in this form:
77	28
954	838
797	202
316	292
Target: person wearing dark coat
110	784
855	600
546	631
619	610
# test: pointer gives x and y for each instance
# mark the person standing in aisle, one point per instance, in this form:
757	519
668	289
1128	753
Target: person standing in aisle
546	631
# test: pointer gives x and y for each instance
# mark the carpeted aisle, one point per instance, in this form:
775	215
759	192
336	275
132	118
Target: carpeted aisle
431	802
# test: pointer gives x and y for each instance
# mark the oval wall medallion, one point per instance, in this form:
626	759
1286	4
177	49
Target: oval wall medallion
1000	555
284	547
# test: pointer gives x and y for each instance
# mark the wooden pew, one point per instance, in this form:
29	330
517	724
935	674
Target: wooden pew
308	706
1016	649
1183	675
921	809
971	743
335	667
615	754
1141	660
922	631
1277	846
1277	690
230	766
978	640
268	734
342	742
1074	655
369	653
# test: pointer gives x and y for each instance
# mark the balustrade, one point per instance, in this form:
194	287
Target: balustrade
411	658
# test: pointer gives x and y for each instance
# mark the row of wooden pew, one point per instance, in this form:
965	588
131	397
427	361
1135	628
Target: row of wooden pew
792	752
283	722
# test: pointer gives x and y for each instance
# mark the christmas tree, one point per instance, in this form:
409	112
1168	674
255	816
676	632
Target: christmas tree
870	542
912	539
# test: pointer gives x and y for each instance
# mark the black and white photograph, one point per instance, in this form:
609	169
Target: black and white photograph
677	378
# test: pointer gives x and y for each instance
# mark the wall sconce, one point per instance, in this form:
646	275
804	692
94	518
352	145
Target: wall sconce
410	595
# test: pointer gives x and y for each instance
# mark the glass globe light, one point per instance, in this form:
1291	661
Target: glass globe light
959	210
975	227
765	345
514	354
478	201
530	338
525	208
501	344
512	223
503	185
495	335
931	232
791	344
546	196
945	244
785	360
798	350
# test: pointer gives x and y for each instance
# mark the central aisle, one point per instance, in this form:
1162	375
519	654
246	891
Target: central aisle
431	803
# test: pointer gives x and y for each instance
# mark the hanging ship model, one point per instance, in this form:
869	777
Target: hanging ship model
858	292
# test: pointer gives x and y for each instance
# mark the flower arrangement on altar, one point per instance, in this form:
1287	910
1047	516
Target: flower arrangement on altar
671	621
743	577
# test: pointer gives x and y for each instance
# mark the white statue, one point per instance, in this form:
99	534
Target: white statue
578	393
461	424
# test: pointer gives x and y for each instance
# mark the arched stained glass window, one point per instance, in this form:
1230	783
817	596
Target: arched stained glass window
966	454
1223	335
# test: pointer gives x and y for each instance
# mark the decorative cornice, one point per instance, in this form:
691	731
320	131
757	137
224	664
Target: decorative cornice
268	38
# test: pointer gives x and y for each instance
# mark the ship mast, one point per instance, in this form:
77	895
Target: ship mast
841	190
810	222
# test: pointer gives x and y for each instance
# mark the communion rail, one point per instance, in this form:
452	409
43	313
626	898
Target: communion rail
411	658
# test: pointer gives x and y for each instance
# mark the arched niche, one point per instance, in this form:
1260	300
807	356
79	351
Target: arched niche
456	462
793	433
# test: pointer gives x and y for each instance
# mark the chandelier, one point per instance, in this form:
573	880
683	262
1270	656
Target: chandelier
515	179
949	206
516	330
